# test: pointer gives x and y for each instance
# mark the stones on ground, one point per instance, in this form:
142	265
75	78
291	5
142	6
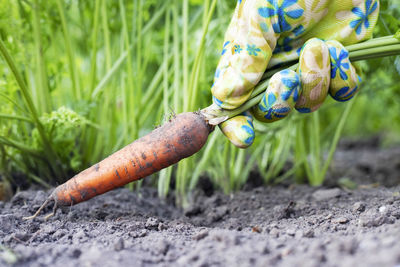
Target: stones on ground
162	226
217	214
155	224
326	194
201	235
340	220
135	226
274	233
138	234
382	209
359	207
291	232
152	223
375	218
309	233
286	211
60	233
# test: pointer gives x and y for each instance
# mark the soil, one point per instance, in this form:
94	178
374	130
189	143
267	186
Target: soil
293	225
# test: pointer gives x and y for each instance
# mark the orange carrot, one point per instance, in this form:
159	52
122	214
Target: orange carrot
177	139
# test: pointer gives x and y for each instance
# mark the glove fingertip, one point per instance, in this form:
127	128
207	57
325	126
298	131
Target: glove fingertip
344	78
239	130
280	97
315	75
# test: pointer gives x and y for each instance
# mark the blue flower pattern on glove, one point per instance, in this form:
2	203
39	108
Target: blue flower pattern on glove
249	129
363	17
238	49
280	10
280	97
224	47
252	50
283	45
337	63
344	85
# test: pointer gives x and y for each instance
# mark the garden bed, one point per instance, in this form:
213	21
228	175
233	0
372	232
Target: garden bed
281	225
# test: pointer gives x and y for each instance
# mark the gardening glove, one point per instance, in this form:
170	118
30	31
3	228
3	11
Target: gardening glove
266	33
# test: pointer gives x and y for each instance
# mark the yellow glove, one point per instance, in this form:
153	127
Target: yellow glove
265	33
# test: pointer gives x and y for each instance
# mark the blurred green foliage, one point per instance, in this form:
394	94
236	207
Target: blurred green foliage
102	73
64	128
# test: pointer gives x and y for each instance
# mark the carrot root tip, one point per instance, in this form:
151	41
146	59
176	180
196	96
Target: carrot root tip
54	210
50	198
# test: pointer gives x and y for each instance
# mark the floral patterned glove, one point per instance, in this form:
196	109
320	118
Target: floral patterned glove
264	33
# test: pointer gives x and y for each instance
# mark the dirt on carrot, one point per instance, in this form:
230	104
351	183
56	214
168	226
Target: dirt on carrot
177	139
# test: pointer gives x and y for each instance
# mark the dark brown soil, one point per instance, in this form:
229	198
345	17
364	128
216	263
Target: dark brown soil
260	226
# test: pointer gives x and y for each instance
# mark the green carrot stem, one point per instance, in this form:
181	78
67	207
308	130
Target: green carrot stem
68	47
15	117
374	48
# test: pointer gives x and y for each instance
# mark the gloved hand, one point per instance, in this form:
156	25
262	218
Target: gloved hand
265	33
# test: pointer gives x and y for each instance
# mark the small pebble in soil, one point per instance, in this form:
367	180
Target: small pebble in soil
382	209
152	223
359	207
291	232
309	233
373	218
341	220
141	233
274	233
326	194
162	226
201	235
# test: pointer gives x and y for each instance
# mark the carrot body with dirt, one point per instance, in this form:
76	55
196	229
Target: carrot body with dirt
177	139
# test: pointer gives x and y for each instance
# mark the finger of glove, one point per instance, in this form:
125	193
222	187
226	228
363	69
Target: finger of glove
239	130
279	98
344	78
314	71
245	56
